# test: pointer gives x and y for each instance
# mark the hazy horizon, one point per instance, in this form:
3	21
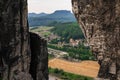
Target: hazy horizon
47	6
47	13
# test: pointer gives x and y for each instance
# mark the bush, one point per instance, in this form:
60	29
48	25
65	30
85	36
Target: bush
68	76
56	71
50	56
54	41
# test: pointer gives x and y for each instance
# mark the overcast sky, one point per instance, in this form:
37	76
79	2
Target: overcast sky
48	6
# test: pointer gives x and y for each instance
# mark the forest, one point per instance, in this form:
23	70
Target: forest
67	30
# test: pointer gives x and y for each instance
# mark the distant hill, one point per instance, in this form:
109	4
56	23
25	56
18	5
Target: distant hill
36	15
44	19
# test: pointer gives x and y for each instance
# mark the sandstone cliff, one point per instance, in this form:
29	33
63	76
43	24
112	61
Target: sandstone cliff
39	57
100	23
20	58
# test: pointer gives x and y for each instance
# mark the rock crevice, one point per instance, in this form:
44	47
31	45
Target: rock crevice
16	44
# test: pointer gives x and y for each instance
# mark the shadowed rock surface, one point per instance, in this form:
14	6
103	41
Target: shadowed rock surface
100	23
39	56
16	54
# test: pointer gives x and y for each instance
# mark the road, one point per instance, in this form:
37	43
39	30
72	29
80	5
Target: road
57	53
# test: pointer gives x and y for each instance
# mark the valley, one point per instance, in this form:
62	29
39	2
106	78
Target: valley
66	60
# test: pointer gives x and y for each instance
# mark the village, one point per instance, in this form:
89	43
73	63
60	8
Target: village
71	51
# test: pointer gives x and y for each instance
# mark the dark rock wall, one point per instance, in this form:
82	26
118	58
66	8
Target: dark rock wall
100	22
15	51
39	57
14	41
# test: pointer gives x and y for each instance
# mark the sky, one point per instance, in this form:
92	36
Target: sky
48	6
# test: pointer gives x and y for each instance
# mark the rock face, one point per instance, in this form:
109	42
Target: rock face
39	57
16	54
100	22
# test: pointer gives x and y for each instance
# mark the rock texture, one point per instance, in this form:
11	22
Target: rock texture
100	22
16	54
39	57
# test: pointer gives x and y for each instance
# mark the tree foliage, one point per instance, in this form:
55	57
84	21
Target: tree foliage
67	31
81	52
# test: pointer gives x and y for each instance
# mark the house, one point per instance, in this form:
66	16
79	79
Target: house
74	42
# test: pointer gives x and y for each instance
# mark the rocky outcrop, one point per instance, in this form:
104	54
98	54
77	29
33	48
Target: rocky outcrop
100	23
16	54
14	39
39	57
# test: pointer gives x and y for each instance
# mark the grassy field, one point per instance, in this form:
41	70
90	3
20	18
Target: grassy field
44	31
86	68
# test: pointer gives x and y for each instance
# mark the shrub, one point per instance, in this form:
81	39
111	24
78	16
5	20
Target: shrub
67	76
